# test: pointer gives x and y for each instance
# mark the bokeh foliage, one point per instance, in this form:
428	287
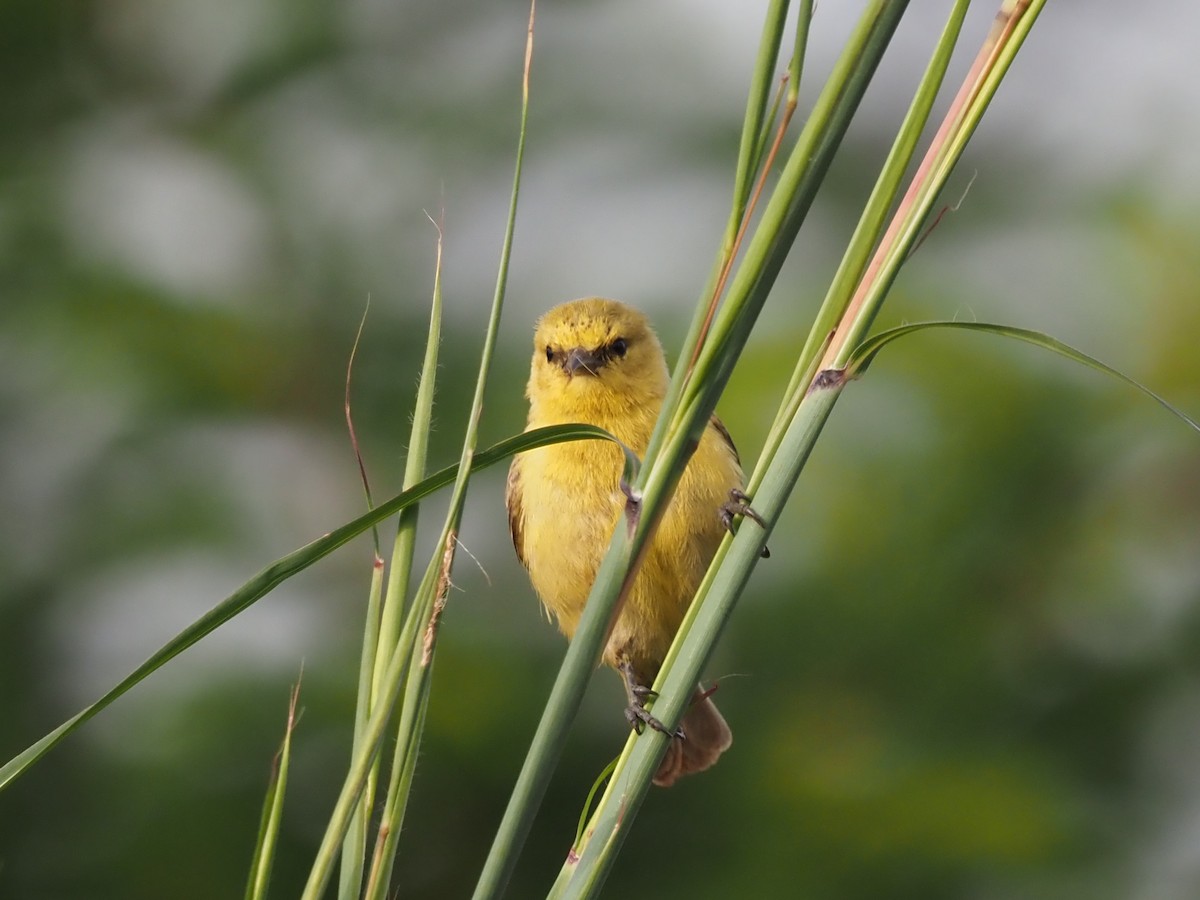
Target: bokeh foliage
981	616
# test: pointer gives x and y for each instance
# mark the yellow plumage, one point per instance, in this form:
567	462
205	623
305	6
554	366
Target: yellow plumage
598	361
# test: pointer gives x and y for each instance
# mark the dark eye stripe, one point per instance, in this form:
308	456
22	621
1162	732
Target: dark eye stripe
617	347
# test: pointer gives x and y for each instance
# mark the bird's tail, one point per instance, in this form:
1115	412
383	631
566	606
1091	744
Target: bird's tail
705	738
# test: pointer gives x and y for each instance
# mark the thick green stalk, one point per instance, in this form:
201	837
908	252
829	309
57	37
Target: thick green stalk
749	160
582	656
999	49
785	211
789	203
660	474
715	601
870	225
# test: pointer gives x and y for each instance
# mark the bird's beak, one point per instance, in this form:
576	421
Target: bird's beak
579	359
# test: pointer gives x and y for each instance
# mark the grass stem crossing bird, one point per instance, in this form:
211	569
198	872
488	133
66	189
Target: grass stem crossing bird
599	362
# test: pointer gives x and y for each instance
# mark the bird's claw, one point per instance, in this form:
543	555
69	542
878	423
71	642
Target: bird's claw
639	717
639	694
738	504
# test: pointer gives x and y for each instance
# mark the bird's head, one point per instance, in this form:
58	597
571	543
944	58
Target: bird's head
596	351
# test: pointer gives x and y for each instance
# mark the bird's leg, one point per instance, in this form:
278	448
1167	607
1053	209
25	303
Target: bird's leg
636	713
738	504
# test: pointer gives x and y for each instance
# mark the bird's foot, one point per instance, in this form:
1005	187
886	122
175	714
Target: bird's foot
738	504
640	693
636	713
639	717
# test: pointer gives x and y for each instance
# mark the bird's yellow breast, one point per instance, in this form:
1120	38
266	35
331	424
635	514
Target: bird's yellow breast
571	502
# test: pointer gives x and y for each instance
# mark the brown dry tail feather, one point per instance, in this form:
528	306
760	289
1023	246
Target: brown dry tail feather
705	737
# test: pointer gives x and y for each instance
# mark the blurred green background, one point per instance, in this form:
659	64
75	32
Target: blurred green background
971	667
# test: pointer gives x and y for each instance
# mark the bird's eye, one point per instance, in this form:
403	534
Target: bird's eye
619	346
549	353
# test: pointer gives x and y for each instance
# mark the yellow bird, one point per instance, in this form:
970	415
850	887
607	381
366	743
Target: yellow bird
599	362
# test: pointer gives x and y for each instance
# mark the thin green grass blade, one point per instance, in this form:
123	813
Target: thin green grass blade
385	617
581	831
403	767
799	50
260	868
410	726
765	135
365	760
358	772
866	352
282	569
600	781
429	600
272	814
757	121
409	731
362	469
355	845
399	570
750	151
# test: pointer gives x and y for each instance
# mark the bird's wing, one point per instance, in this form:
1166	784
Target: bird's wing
516	516
716	423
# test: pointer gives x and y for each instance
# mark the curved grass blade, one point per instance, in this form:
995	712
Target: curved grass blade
298	560
864	354
600	781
